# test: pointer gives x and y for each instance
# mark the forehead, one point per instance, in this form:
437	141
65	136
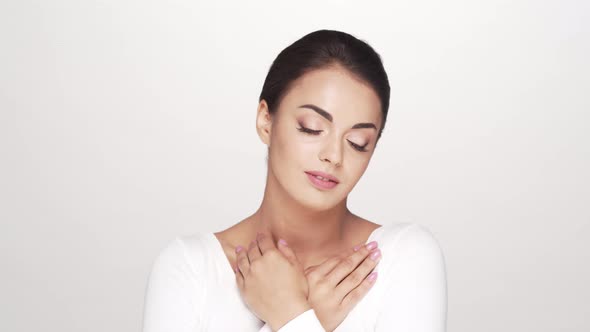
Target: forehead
337	91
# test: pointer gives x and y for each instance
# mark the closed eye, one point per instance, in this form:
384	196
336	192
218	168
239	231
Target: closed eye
317	132
309	131
358	147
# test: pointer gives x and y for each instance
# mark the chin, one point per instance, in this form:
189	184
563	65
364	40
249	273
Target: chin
318	201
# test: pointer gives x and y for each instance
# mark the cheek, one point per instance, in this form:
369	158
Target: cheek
294	145
289	151
363	167
358	165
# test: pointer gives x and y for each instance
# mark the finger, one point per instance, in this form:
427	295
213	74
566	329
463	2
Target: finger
265	242
239	277
359	274
349	264
328	265
357	294
253	251
288	252
242	260
310	269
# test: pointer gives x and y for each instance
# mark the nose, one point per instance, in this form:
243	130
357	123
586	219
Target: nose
332	152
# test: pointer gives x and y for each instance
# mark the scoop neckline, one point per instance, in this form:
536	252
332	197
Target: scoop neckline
221	253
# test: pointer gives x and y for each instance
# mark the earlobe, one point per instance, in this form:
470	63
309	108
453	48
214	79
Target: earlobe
263	122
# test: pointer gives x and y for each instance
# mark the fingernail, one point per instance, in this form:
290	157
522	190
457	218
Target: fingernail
239	248
371	278
235	269
375	255
357	247
283	242
372	245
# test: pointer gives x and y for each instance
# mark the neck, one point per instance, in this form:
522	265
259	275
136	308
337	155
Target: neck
309	232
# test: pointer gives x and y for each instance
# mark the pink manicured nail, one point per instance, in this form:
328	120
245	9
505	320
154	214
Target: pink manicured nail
283	242
372	245
357	247
375	255
371	278
239	248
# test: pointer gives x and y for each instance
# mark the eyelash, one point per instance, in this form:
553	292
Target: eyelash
317	132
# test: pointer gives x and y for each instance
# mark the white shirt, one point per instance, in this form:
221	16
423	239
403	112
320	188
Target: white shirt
192	287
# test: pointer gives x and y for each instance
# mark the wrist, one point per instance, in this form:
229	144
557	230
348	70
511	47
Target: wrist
288	312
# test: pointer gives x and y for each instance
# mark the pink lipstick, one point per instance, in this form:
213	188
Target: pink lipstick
322	180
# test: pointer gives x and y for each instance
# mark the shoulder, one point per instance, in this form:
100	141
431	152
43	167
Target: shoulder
176	288
412	234
413	285
410	242
183	254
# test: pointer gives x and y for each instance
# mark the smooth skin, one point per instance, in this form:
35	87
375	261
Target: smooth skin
272	285
338	284
277	289
318	268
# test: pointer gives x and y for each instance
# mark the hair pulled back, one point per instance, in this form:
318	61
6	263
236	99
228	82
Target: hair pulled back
322	49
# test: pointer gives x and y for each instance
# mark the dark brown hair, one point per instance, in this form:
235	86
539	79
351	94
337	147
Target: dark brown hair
321	49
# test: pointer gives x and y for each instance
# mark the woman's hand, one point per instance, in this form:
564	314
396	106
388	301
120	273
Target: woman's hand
271	282
339	283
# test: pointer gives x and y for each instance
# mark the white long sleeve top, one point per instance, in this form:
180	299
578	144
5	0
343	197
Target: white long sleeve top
192	288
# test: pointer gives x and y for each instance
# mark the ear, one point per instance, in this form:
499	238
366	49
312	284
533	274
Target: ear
264	122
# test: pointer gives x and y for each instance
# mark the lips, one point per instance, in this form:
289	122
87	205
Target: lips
323	175
321	184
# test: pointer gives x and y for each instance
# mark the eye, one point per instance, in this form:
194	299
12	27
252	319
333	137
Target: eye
358	147
309	131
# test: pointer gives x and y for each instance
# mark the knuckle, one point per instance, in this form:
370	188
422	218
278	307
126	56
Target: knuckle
366	285
322	286
255	267
331	279
362	252
368	264
242	260
272	253
355	278
312	276
365	250
349	263
355	296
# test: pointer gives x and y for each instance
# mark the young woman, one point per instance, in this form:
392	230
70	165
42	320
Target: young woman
303	260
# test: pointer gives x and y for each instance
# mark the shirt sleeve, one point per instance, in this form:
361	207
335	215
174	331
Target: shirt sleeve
172	293
306	321
415	298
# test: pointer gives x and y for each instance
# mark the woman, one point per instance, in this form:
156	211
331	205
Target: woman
303	260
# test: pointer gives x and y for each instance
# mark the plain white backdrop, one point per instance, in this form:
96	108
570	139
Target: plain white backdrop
126	123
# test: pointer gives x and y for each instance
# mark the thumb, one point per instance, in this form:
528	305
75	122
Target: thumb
287	251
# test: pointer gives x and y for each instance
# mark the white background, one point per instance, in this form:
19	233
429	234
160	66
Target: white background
126	123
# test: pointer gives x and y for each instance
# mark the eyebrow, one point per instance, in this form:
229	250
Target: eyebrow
329	117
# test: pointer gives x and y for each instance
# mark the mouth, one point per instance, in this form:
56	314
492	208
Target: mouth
322	180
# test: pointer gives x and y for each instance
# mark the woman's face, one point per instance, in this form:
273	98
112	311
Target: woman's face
342	116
